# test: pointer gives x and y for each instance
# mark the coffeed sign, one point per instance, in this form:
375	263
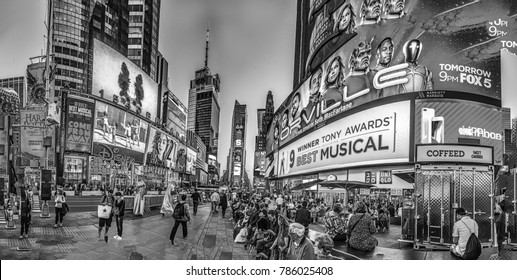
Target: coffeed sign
374	136
454	154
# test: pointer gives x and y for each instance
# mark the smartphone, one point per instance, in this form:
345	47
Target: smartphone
425	125
437	130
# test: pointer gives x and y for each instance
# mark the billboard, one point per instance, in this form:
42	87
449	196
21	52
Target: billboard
181	159
191	161
79	126
459	122
161	149
32	132
120	130
365	50
374	136
35	85
259	168
117	79
177	115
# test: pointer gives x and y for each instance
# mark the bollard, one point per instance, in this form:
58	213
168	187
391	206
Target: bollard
9	218
45	212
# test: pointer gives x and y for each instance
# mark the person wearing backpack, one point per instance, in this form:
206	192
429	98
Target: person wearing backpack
465	236
181	216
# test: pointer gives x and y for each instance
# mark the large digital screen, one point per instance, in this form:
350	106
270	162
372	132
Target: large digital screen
118	129
161	149
191	161
79	125
374	136
365	50
259	168
459	122
117	79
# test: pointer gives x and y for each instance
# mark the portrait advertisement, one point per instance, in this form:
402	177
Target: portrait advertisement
161	149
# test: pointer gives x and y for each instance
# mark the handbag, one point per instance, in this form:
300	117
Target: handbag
241	237
103	211
64	209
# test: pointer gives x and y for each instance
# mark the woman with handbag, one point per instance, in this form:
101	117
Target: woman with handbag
107	201
59	200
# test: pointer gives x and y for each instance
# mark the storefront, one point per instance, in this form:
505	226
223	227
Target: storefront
75	170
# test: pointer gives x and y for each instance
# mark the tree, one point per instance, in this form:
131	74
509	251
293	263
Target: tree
139	92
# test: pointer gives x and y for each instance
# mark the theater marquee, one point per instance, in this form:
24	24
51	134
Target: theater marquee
374	136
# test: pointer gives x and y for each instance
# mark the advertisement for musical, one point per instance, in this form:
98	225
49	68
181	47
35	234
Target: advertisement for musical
458	121
117	79
32	132
397	47
79	125
374	136
161	149
119	131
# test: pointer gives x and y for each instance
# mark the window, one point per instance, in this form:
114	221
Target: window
2	123
2	150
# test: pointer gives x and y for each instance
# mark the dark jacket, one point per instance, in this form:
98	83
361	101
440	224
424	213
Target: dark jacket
196	197
303	216
121	206
224	201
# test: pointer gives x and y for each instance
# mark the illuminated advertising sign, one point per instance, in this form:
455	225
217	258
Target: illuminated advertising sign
373	136
32	132
260	163
161	149
117	129
181	159
237	168
385	177
458	121
191	161
117	79
454	153
363	51
271	163
79	126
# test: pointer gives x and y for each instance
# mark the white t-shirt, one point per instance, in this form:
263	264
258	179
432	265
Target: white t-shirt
462	229
279	201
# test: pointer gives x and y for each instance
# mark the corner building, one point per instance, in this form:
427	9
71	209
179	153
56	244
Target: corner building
385	95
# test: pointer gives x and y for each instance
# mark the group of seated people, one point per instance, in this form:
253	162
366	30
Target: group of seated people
268	229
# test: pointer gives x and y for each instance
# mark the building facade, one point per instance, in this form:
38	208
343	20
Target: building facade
237	157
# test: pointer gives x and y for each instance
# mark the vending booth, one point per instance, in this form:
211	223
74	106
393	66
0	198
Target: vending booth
448	177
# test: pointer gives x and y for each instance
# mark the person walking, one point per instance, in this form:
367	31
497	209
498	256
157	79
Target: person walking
25	214
224	203
59	200
181	216
196	198
106	199
215	199
118	211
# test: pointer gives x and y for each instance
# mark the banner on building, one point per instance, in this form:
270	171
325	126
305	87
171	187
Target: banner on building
79	126
161	149
32	132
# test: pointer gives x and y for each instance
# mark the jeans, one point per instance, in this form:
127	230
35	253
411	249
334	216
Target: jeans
196	204
224	210
25	223
214	206
59	215
119	220
175	228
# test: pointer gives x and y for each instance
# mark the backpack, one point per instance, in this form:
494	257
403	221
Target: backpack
473	249
179	211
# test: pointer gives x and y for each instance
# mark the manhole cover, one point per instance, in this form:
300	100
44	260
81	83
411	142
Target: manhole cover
136	256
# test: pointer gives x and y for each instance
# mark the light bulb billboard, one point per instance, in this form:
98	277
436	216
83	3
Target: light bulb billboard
363	51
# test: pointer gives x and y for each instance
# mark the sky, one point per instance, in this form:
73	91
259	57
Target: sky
251	48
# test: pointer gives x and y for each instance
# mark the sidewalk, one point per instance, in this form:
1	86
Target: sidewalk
210	237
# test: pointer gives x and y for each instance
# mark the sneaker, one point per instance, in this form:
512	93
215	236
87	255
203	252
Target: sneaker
21	237
119	237
115	236
55	225
26	236
61	224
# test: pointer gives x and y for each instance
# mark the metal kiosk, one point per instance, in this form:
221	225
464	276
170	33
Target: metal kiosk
448	177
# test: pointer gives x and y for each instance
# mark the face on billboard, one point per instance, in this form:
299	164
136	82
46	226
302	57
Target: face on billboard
161	149
117	79
457	122
119	129
374	136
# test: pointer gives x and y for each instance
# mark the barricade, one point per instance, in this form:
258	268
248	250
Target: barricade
150	201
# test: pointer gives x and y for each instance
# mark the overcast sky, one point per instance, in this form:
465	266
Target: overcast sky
251	48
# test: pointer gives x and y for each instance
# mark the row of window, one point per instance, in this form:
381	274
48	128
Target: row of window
136	8
75	9
62	83
68	51
69	18
69	29
134	52
136	18
69	62
69	73
135	41
69	40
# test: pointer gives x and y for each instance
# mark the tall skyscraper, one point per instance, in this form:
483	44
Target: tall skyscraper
144	27
237	155
268	114
203	105
506	118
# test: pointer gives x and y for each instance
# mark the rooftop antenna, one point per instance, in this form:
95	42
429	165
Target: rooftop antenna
207	40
